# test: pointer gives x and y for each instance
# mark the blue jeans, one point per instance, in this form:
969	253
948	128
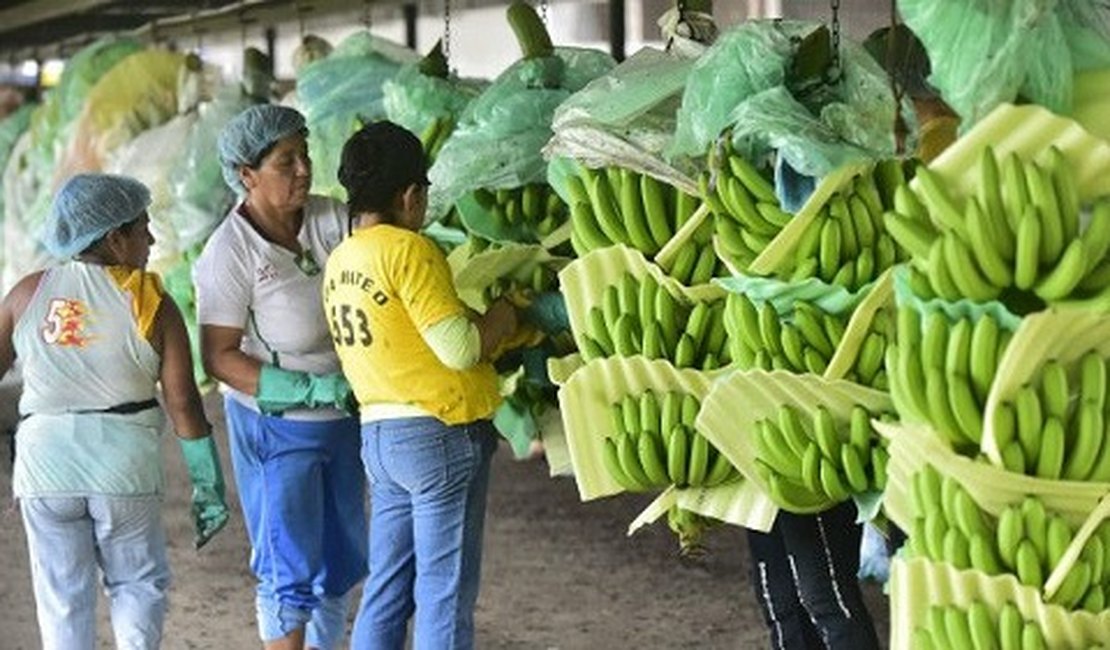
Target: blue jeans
302	491
428	485
69	539
804	573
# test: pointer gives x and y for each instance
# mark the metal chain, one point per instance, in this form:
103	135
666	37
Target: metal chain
447	32
834	69
300	18
543	11
366	18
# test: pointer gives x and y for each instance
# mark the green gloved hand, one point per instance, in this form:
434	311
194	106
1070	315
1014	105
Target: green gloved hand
280	390
209	509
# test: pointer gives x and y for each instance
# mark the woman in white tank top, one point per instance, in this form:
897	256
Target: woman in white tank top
94	337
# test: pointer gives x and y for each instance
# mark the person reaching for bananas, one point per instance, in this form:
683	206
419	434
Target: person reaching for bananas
419	365
95	336
294	447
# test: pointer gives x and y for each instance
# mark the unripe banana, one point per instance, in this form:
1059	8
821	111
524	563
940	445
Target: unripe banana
698	462
690	408
632	209
854	470
791	426
613	467
682	266
829	252
1050	460
1066	275
983	361
1009	532
982	555
955	624
1094	600
770	328
984	633
629	457
1015	193
649	448
1010	625
965	272
956	550
985	243
1027	255
1036	525
809	323
1087	438
753	181
678	448
811	469
936	393
831	482
1028	565
937	627
825	433
653	195
774	450
1043	195
942	208
599	331
1030	421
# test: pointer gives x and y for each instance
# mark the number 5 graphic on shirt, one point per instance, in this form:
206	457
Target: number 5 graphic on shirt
65	323
344	331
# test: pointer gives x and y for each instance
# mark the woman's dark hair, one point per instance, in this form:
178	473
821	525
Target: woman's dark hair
379	162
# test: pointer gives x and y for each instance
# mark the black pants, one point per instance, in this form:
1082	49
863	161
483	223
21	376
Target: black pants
804	574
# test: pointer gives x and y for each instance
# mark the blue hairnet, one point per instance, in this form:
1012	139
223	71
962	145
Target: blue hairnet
90	206
251	132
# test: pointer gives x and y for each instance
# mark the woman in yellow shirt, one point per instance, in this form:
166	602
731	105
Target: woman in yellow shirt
418	362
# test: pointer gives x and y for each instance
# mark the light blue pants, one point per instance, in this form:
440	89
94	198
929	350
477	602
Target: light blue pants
427	510
69	539
302	490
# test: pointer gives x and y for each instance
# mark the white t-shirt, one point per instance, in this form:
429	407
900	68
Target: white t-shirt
246	282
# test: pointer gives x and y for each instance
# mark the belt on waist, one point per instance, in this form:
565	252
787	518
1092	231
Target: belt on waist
125	408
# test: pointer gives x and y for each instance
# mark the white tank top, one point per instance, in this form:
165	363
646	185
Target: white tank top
80	349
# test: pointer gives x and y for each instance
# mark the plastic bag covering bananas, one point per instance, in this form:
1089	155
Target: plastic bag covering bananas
1025	540
942	370
653	444
808	461
1019	237
535	207
642	317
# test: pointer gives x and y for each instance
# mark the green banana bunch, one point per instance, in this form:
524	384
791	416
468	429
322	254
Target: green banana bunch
1058	422
541	279
942	372
619	206
655	444
814	461
977	628
848	242
801	341
1024	540
435	134
695	261
1020	230
535	206
868	369
747	214
640	316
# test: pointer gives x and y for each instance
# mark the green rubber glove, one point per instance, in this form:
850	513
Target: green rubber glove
280	390
209	509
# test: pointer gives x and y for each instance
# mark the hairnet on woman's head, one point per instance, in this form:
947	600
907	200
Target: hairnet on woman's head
90	206
247	135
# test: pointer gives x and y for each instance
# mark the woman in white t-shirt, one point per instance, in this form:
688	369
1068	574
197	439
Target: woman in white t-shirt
295	448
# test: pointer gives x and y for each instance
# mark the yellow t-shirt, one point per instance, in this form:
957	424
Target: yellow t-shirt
383	286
